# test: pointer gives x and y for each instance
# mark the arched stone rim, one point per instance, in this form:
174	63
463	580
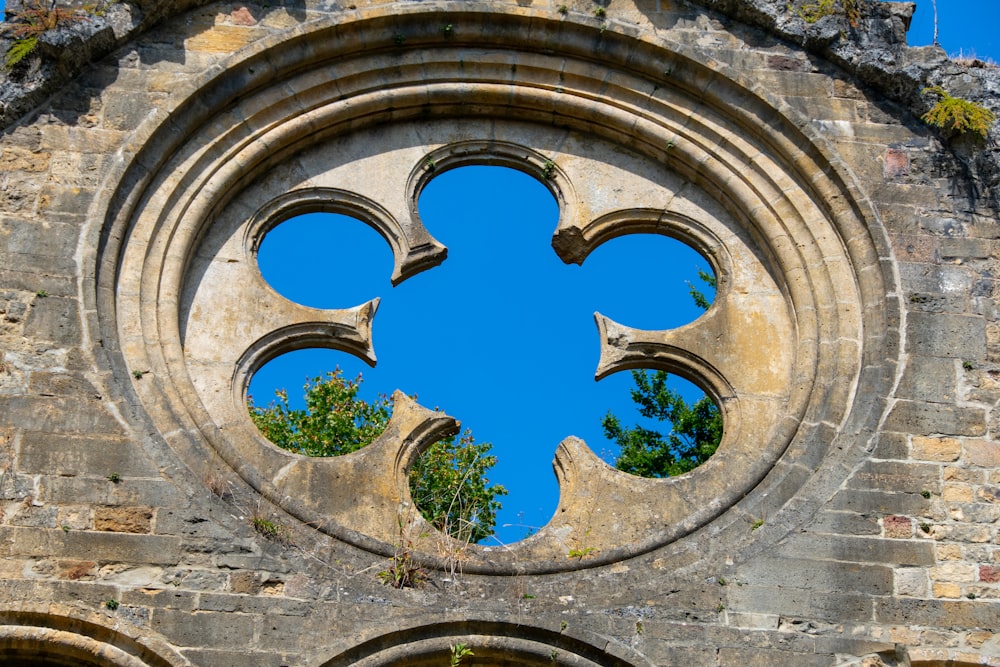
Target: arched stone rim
687	77
528	645
85	638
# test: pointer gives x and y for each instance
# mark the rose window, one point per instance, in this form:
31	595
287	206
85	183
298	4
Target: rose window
784	350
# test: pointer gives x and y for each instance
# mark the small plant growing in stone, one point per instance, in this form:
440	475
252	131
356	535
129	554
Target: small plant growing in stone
458	651
563	9
448	30
925	527
114	478
403	571
28	24
216	483
955	115
138	374
756	524
600	12
812	12
111	604
269	529
968	365
548	169
926	494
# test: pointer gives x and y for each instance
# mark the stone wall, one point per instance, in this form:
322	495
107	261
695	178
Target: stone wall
851	514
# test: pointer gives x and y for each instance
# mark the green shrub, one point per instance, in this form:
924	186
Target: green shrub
957	115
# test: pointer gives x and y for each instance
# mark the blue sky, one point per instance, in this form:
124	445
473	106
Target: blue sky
456	335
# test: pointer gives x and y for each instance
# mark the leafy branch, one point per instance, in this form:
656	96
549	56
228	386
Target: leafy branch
954	114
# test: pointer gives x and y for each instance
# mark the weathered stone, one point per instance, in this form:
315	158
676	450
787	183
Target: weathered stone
123	519
852	342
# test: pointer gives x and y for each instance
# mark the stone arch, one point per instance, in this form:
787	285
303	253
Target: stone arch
492	642
794	221
48	639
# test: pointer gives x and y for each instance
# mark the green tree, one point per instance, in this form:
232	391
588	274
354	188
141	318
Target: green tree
696	430
448	481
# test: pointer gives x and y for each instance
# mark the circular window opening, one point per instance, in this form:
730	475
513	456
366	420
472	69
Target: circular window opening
465	337
325	260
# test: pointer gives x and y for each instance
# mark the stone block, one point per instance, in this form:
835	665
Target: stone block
965	248
921	418
898	527
984	453
54	319
108	547
860	549
946	590
891	446
895	476
936	449
931	379
946	335
881	502
66	454
206	628
803	573
848	523
939	613
953	571
123	519
911	581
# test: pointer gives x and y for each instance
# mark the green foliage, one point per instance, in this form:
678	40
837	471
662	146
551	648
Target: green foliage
548	169
20	50
271	530
403	572
697	295
696	429
448	481
111	604
957	115
334	422
810	13
449	486
696	432
458	651
28	24
813	12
